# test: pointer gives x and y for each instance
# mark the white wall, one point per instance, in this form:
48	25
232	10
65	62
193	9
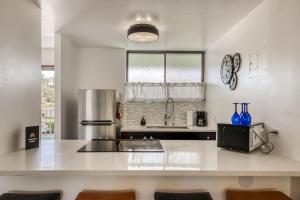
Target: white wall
271	30
47	56
101	68
68	83
20	71
84	68
58	64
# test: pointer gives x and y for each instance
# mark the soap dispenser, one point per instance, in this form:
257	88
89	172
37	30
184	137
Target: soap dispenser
143	121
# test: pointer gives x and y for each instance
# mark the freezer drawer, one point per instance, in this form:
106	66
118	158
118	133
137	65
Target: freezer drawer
97	114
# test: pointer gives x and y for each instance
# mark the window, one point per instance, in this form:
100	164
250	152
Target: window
146	67
165	66
183	68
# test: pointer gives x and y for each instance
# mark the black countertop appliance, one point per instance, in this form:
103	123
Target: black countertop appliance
118	145
201	118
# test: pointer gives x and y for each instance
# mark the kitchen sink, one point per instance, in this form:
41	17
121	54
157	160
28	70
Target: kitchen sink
168	127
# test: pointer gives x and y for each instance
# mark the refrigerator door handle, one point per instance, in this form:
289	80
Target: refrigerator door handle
96	123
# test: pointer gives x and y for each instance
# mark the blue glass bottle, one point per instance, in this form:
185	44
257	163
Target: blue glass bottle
243	117
248	116
235	119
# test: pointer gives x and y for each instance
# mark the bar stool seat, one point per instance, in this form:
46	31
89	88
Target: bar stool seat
30	196
182	196
105	195
255	195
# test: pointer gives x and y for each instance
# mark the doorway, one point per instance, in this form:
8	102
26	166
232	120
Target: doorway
47	102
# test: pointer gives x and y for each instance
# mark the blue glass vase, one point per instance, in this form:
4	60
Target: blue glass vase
235	119
243	116
248	116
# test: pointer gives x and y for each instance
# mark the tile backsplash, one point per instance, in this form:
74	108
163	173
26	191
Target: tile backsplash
154	112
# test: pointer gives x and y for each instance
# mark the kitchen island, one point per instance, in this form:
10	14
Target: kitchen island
184	165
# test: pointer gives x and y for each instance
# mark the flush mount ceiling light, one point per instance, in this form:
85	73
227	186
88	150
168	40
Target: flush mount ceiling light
143	33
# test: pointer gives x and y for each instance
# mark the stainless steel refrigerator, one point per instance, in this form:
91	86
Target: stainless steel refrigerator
97	114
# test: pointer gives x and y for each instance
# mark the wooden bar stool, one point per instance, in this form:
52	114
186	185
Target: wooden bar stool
106	195
182	196
31	195
255	195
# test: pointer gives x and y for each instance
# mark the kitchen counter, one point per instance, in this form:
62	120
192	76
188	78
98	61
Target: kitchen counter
180	158
188	129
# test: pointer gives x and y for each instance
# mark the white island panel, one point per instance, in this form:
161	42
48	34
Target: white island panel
144	186
180	158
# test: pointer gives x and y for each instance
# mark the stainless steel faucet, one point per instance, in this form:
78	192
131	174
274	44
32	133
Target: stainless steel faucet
168	114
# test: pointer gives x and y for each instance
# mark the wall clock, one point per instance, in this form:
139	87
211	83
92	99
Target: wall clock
233	82
236	62
226	69
229	67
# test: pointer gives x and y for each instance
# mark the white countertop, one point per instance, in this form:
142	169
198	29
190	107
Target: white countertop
188	129
181	158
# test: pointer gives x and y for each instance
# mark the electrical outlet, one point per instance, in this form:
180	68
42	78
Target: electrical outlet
274	131
269	129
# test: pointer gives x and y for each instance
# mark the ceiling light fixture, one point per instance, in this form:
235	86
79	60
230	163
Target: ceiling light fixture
143	33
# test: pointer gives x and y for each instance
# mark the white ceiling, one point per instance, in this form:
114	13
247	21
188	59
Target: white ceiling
183	24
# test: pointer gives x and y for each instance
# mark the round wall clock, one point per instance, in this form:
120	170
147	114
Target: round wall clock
233	82
227	69
236	62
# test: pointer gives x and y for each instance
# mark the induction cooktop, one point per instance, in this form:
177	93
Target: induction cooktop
116	145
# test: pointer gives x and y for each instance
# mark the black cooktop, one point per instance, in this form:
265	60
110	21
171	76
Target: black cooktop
114	145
